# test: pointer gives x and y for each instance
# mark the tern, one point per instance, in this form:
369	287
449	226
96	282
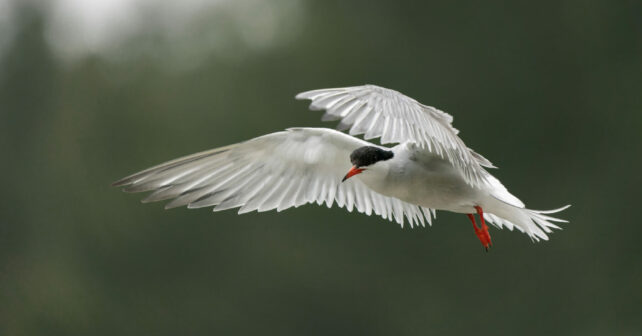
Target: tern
430	168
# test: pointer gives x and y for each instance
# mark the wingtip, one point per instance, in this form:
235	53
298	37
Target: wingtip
170	206
302	95
120	183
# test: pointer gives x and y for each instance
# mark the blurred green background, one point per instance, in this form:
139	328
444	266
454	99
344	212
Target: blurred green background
91	91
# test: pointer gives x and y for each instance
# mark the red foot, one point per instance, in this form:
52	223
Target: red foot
482	234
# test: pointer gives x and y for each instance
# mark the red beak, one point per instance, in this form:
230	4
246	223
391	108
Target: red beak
352	172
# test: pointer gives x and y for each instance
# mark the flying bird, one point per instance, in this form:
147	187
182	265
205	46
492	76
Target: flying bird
430	168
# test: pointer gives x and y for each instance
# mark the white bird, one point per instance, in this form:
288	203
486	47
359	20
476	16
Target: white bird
429	169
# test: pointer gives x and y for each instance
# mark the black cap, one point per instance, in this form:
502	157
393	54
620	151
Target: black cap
367	155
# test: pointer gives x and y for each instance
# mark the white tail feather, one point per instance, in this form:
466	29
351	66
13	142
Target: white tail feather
535	223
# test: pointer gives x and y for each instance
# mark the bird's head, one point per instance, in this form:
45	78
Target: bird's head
365	158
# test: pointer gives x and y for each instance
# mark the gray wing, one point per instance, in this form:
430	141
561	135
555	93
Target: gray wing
379	112
276	171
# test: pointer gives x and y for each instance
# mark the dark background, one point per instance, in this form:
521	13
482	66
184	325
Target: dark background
549	92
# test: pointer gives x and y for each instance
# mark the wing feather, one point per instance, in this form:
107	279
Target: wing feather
276	171
395	118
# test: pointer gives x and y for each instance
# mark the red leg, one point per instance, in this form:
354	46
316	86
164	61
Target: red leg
482	233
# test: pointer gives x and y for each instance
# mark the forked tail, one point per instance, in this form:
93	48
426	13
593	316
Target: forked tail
537	224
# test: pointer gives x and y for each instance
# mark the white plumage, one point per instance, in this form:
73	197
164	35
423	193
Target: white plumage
430	168
379	112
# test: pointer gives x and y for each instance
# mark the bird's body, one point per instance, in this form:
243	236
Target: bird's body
411	168
430	168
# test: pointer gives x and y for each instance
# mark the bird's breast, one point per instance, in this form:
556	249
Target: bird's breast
427	181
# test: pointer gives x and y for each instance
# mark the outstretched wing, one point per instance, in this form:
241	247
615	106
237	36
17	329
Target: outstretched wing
379	112
275	171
